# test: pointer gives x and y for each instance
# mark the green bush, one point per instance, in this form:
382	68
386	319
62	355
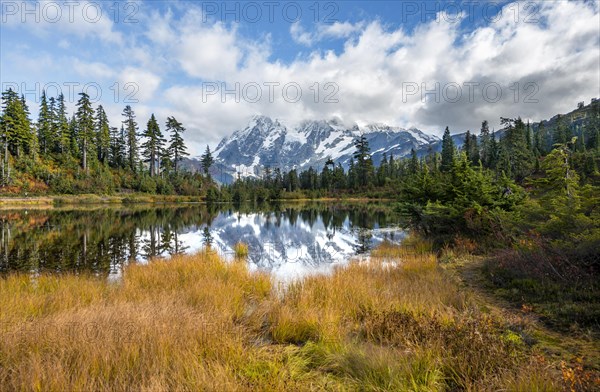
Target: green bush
147	185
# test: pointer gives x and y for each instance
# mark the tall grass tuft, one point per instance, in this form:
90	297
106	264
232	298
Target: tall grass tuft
241	250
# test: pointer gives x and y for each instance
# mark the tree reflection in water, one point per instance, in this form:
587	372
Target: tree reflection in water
103	240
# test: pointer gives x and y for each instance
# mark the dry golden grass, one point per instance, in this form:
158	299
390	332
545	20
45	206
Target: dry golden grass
397	322
241	250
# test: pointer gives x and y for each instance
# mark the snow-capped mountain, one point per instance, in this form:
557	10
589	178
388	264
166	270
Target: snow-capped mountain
265	142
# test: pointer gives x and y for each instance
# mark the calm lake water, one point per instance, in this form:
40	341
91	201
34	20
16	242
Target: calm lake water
288	241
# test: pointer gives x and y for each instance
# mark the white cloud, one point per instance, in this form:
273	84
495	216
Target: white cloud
209	52
49	18
300	35
93	70
161	33
323	31
64	44
139	84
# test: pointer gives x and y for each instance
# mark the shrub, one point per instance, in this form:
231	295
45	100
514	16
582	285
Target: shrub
147	185
241	250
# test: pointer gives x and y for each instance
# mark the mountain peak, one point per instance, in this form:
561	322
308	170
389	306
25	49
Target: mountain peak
267	142
260	121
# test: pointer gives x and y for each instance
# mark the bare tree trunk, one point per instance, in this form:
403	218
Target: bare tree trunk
85	168
6	162
2	159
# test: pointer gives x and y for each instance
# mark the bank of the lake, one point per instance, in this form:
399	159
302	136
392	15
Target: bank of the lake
397	322
141	198
127	198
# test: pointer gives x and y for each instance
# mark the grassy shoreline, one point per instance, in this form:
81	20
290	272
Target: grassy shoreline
397	322
93	199
133	198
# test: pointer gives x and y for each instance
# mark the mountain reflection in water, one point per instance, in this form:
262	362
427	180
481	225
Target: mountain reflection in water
288	241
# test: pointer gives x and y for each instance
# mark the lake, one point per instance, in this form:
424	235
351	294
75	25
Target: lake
289	241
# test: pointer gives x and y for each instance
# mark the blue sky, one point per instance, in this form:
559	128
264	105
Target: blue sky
215	64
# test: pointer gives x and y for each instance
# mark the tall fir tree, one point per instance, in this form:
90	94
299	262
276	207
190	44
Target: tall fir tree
493	153
484	143
131	139
153	147
207	161
102	135
447	151
44	126
364	163
86	128
414	162
74	137
54	124
515	159
31	145
115	148
529	136
177	149
352	177
474	156
15	124
562	133
466	147
62	135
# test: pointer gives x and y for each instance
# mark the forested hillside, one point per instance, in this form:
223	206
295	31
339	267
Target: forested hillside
84	153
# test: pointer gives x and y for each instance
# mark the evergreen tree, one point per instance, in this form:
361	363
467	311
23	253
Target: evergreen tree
54	125
560	192
85	128
131	139
391	169
152	149
485	141
474	156
529	136
207	161
177	149
62	134
538	143
102	135
447	151
339	177
326	178
293	184
308	179
16	126
467	148
493	152
382	170
117	147
413	166
515	159
562	133
31	146
364	163
74	137
352	177
44	126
